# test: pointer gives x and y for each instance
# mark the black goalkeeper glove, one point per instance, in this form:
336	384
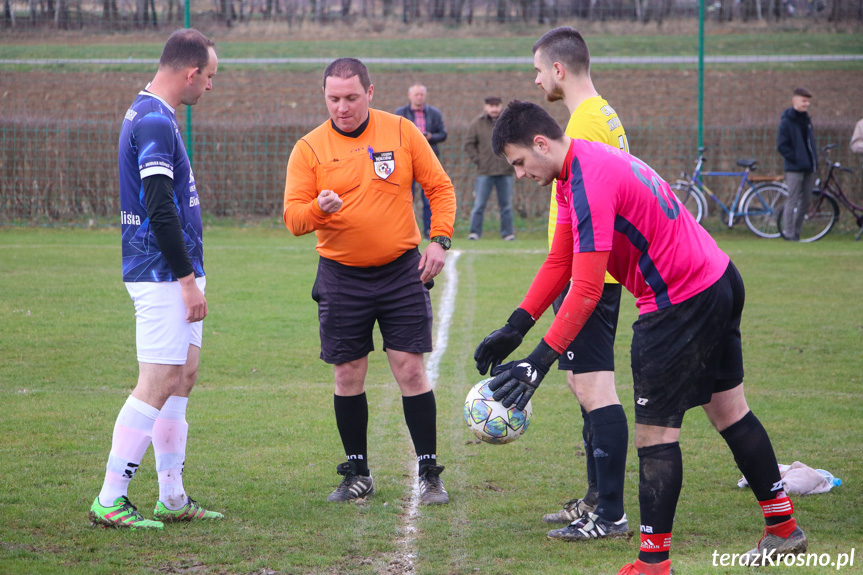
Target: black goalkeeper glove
502	342
517	380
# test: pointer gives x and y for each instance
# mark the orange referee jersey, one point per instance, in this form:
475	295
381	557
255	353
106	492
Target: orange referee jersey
373	174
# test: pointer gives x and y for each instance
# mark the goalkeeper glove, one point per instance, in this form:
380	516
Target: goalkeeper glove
502	342
517	380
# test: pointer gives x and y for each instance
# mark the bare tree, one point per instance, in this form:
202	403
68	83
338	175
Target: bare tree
456	8
8	14
61	16
502	10
410	11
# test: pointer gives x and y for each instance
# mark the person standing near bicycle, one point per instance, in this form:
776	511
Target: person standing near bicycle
796	142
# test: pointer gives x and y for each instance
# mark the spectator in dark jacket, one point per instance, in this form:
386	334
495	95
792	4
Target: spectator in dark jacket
429	120
492	171
796	143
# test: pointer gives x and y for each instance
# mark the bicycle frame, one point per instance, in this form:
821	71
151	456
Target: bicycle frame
730	211
832	187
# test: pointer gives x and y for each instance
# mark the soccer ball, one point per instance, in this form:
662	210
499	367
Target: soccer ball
491	421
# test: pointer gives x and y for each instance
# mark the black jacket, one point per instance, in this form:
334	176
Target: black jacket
434	124
796	142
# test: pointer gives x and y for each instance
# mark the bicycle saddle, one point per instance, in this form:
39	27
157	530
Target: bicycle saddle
747	163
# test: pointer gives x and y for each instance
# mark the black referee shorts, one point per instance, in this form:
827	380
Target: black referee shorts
593	347
684	354
351	299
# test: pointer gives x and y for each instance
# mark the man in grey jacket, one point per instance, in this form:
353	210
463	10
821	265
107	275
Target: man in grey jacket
492	172
796	142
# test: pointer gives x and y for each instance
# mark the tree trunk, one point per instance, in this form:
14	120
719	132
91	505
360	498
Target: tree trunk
834	11
455	11
61	16
8	14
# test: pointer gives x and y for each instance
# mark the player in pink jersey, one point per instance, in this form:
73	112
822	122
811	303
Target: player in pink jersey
615	213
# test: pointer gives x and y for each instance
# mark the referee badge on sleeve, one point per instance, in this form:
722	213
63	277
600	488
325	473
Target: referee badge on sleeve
384	164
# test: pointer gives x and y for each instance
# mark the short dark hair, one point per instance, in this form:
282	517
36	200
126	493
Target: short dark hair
800	91
348	68
186	48
567	46
493	100
519	123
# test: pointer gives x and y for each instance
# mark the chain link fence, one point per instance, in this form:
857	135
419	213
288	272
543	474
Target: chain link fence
137	14
59	127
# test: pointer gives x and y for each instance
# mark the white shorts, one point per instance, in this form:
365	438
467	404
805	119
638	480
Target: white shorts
162	334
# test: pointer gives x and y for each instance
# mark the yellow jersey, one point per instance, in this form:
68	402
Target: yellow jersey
596	121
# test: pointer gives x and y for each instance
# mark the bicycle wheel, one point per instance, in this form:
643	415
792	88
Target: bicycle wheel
822	214
691	197
760	205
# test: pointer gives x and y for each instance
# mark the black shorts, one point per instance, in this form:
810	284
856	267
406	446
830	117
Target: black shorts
684	354
351	299
593	347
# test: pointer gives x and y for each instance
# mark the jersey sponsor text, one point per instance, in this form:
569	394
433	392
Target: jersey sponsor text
127	218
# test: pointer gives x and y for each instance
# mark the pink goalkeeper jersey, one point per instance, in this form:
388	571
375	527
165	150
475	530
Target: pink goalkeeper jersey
612	201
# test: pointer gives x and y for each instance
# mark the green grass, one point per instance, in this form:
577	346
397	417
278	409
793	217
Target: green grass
263	444
779	43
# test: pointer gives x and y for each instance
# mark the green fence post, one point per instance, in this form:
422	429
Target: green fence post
190	142
700	73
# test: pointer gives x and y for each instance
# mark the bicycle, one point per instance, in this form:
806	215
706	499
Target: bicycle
758	205
823	210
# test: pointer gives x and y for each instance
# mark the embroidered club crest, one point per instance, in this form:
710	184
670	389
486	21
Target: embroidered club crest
384	164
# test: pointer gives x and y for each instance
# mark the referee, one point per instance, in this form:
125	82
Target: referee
349	181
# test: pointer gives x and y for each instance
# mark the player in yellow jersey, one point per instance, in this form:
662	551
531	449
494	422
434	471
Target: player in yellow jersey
562	63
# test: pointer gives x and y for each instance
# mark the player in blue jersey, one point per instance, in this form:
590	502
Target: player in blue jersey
163	268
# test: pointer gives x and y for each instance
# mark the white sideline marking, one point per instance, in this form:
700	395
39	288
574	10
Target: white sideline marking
407	543
447	306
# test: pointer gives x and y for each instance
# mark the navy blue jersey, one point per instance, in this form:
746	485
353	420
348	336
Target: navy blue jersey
150	144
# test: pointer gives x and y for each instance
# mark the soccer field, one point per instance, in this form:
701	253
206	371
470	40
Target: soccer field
263	444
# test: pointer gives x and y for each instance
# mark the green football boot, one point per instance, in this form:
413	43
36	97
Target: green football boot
189	512
122	515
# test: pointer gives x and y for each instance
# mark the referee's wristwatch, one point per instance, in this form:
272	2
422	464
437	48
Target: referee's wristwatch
444	241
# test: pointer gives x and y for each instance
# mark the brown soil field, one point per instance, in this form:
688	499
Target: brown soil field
61	127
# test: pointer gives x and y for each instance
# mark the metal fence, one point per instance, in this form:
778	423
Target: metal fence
59	127
132	14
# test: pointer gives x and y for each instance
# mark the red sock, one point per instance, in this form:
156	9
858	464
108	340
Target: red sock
784	529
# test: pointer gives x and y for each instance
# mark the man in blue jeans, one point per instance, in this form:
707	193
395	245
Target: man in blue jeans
492	172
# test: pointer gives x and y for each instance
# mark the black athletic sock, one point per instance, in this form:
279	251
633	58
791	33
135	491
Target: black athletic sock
753	453
610	441
591	497
660	477
421	417
352	419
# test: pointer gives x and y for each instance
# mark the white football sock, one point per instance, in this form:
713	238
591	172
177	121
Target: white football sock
169	443
133	431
